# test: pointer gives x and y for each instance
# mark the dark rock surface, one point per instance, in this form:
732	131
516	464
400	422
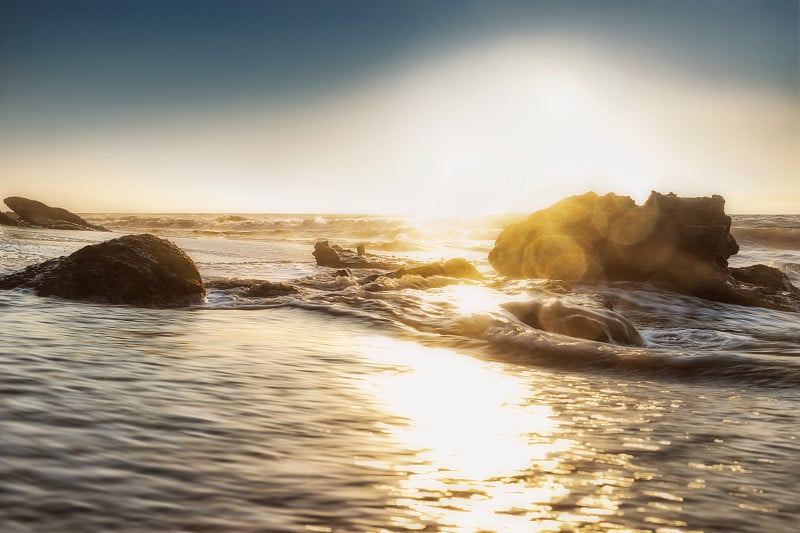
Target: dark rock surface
601	325
36	213
765	277
136	269
685	241
682	244
452	268
767	286
6	220
337	257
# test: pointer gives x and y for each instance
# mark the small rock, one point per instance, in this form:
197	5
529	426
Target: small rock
337	257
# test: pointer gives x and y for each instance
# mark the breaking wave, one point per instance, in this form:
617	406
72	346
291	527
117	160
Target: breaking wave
686	338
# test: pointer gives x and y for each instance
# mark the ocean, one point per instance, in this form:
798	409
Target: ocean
415	404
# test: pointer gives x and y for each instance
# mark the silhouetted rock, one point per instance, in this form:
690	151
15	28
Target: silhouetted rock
253	288
327	255
6	220
452	268
601	325
38	214
683	241
591	237
763	276
680	243
135	269
337	257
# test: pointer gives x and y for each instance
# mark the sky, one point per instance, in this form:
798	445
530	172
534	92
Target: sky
418	107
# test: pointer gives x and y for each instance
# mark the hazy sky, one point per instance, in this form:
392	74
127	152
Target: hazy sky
435	107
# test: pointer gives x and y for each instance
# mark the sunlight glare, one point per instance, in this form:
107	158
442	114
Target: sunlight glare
475	437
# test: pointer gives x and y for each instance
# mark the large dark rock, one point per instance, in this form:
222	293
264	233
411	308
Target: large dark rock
337	257
680	243
683	241
136	269
38	214
601	325
591	237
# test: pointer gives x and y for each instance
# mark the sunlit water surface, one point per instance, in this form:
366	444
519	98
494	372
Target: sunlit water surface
405	410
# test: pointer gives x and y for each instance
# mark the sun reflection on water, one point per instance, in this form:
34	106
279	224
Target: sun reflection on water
476	440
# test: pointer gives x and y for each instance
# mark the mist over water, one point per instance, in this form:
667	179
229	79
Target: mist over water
413	404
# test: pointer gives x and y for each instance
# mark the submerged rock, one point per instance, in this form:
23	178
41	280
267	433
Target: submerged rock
337	257
254	288
135	269
38	214
601	325
452	268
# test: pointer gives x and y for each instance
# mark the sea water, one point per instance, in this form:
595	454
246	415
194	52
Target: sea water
416	405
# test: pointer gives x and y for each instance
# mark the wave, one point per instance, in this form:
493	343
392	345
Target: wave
686	338
773	237
377	232
528	347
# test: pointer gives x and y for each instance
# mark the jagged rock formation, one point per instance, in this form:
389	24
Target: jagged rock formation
682	243
591	237
136	269
601	325
36	213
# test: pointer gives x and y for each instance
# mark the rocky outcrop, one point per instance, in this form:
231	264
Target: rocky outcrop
601	325
680	243
36	213
136	270
766	286
337	257
6	220
765	277
685	241
452	268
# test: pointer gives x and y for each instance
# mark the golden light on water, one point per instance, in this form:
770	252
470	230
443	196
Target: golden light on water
475	439
471	299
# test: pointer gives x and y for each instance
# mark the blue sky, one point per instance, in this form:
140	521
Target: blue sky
92	68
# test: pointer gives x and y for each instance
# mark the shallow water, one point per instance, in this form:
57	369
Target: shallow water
421	406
